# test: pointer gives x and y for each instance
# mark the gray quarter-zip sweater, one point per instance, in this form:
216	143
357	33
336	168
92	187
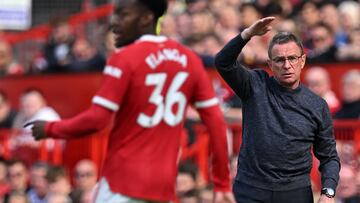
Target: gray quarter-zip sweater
280	127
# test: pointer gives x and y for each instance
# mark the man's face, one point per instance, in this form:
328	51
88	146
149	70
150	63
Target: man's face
321	38
125	22
18	176
286	63
38	180
85	177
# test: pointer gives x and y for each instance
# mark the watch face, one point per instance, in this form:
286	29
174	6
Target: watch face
330	192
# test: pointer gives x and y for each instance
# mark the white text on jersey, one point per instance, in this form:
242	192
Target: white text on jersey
155	59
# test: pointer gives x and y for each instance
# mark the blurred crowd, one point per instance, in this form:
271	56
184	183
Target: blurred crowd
330	30
42	182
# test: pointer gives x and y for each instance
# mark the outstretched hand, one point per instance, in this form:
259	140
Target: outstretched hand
260	27
38	129
224	197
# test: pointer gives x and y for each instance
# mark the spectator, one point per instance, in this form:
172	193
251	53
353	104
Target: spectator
168	27
349	15
202	24
318	81
193	6
7	113
184	24
346	192
8	66
323	41
18	178
288	25
86	57
58	50
58	181
330	16
187	178
249	13
228	19
4	184
33	106
212	44
351	51
309	17
85	179
351	96
38	182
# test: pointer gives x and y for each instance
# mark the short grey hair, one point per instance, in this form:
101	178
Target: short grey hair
282	38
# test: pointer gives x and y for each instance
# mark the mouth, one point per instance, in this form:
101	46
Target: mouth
287	75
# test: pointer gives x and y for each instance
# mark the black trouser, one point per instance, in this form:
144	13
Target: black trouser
248	194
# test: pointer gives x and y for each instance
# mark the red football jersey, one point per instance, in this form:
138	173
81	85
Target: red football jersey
149	84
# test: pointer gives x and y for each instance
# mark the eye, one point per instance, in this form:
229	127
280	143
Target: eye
279	59
290	58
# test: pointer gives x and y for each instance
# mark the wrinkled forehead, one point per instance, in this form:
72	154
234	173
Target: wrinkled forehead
285	49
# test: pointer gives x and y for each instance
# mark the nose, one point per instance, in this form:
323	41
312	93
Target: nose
287	64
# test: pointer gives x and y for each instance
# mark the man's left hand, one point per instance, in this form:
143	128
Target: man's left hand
325	199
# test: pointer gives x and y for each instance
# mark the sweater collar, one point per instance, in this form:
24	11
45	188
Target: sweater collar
284	89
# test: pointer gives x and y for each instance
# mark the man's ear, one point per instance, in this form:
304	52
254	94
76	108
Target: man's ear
303	57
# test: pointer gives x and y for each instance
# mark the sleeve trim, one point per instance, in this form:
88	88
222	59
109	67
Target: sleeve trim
112	71
105	103
206	103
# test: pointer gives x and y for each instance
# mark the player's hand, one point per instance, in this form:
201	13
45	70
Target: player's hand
224	197
325	199
260	27
38	129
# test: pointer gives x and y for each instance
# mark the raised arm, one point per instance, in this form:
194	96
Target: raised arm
234	73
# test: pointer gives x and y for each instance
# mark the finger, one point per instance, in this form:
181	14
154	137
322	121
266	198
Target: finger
29	123
268	19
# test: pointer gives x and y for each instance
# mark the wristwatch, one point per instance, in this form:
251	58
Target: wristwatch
329	192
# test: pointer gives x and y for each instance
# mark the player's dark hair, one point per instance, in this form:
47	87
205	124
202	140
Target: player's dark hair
158	7
285	37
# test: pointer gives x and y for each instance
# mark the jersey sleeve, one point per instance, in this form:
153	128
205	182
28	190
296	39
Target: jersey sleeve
206	103
204	94
115	82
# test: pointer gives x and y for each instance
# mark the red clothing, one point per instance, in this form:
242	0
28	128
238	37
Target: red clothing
149	85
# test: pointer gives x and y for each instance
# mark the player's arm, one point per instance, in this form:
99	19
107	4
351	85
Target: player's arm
233	72
88	122
206	103
105	104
